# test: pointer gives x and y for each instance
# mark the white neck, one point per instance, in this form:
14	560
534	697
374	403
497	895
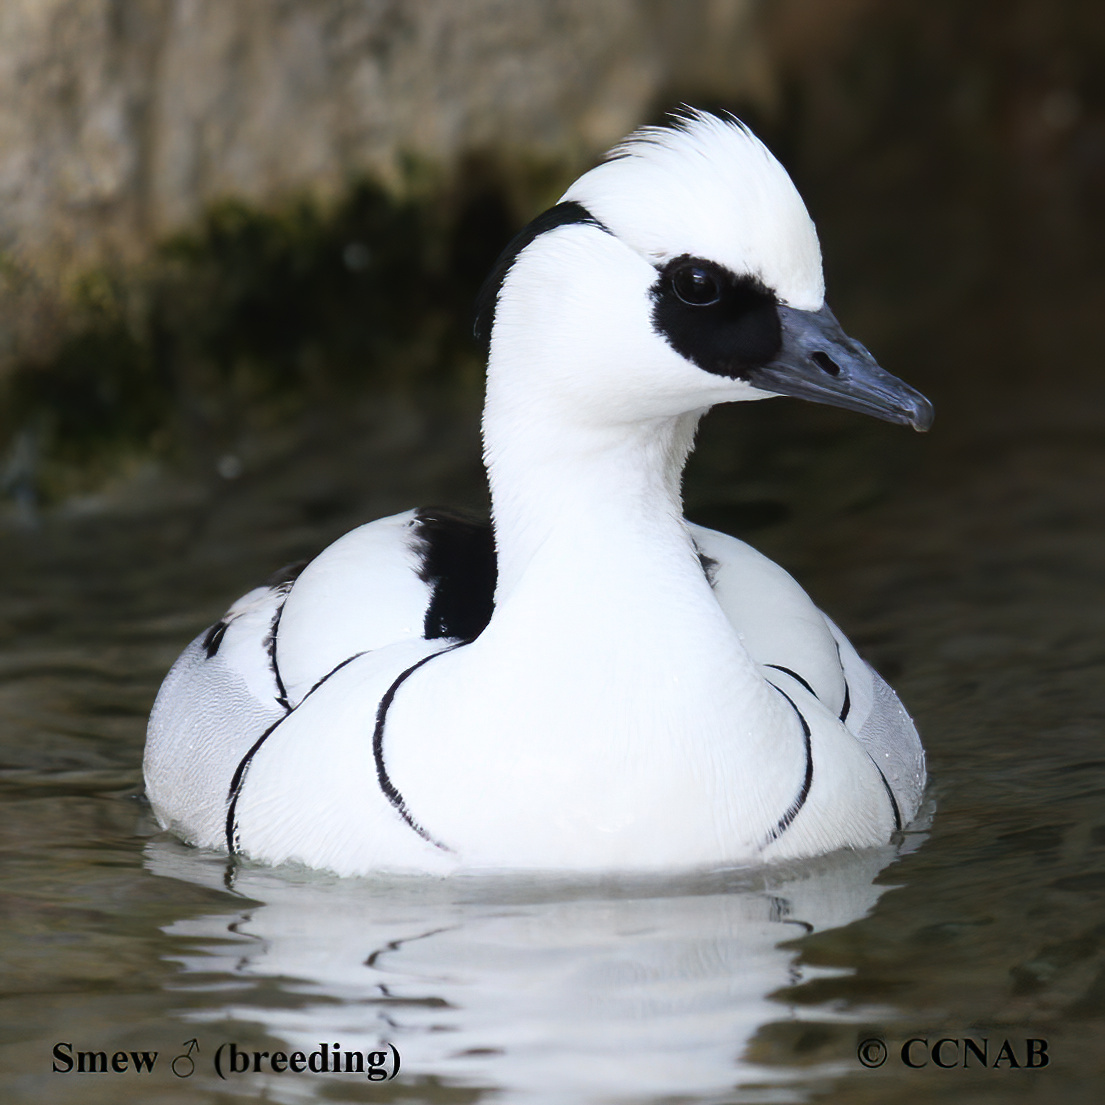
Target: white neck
599	578
592	489
588	421
589	416
609	683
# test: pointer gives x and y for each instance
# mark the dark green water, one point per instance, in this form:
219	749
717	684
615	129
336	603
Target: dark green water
967	564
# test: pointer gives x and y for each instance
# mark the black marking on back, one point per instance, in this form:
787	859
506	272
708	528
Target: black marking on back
214	639
286	576
238	779
562	214
795	676
785	821
391	793
709	566
458	562
730	335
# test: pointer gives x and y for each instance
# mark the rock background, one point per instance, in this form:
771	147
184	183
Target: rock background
122	120
189	232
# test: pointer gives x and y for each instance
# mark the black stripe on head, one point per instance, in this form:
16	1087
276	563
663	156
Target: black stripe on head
563	214
458	562
724	323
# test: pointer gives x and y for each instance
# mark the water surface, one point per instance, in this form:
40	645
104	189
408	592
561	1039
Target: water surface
967	565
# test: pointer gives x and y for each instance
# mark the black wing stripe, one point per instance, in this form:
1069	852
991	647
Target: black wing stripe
795	676
236	783
846	708
270	648
239	777
391	792
894	808
785	821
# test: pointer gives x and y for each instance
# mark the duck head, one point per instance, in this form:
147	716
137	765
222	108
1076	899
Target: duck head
681	272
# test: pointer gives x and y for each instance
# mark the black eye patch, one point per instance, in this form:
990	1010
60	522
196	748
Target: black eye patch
724	323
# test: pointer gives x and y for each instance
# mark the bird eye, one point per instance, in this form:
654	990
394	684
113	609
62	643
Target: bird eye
696	286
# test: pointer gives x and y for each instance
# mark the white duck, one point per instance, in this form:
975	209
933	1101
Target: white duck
593	683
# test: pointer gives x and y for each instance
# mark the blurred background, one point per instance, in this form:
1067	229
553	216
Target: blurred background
239	244
216	216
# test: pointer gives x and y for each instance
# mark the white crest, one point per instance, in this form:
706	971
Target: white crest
710	188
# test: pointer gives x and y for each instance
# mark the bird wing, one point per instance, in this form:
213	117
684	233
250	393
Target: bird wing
423	575
789	636
219	697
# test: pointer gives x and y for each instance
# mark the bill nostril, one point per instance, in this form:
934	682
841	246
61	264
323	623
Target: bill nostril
825	363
